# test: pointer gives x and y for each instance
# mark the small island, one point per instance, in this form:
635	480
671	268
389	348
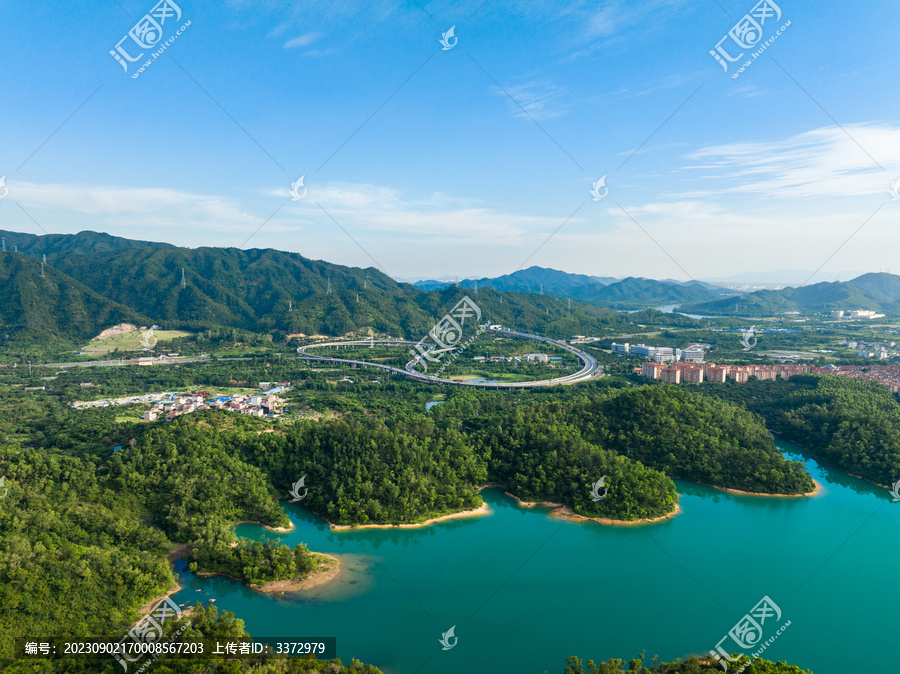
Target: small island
266	567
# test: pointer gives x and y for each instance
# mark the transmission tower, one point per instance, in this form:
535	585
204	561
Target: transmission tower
183	282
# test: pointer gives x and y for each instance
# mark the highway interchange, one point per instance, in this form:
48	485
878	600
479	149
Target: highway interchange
590	367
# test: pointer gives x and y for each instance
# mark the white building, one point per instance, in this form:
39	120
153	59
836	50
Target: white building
642	350
537	357
692	355
620	348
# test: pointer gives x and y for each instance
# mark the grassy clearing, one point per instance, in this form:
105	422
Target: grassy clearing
131	341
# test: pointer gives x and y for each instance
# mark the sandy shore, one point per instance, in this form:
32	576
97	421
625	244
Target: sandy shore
281	530
565	512
180	550
484	509
753	493
329	567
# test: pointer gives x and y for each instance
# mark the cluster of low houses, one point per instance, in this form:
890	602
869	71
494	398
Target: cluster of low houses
264	404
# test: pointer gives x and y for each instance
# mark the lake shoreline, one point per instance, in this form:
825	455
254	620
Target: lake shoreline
808	494
180	550
562	511
483	509
280	530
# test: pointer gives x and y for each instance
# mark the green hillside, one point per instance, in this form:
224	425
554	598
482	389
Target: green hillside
51	309
629	293
879	292
109	281
55	246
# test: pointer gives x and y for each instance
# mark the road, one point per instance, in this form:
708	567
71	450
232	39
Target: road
590	370
125	361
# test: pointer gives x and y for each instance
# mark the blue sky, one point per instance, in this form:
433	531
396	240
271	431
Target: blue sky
435	162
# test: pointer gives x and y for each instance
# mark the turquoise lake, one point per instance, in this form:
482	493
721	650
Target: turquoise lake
525	590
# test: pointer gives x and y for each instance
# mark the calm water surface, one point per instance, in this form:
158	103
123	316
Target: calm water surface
525	590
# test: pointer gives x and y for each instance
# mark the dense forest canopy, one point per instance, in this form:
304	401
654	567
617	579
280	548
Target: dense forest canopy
848	423
84	529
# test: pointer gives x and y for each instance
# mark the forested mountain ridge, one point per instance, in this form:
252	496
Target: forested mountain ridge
260	290
55	246
607	292
46	305
874	291
852	424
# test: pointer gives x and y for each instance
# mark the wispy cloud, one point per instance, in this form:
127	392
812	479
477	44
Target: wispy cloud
303	41
612	21
133	207
536	99
828	161
438	218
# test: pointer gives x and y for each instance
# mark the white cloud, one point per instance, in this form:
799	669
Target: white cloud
828	161
133	208
439	218
303	41
536	99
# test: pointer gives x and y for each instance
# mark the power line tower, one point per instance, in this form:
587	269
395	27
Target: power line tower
183	282
42	270
542	288
4	244
328	290
290	305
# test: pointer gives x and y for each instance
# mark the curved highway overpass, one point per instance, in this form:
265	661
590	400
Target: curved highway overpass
590	367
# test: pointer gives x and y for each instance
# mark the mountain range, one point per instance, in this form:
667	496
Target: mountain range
60	290
91	281
602	291
878	291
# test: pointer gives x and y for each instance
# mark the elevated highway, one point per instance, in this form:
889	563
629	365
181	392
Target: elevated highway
590	367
